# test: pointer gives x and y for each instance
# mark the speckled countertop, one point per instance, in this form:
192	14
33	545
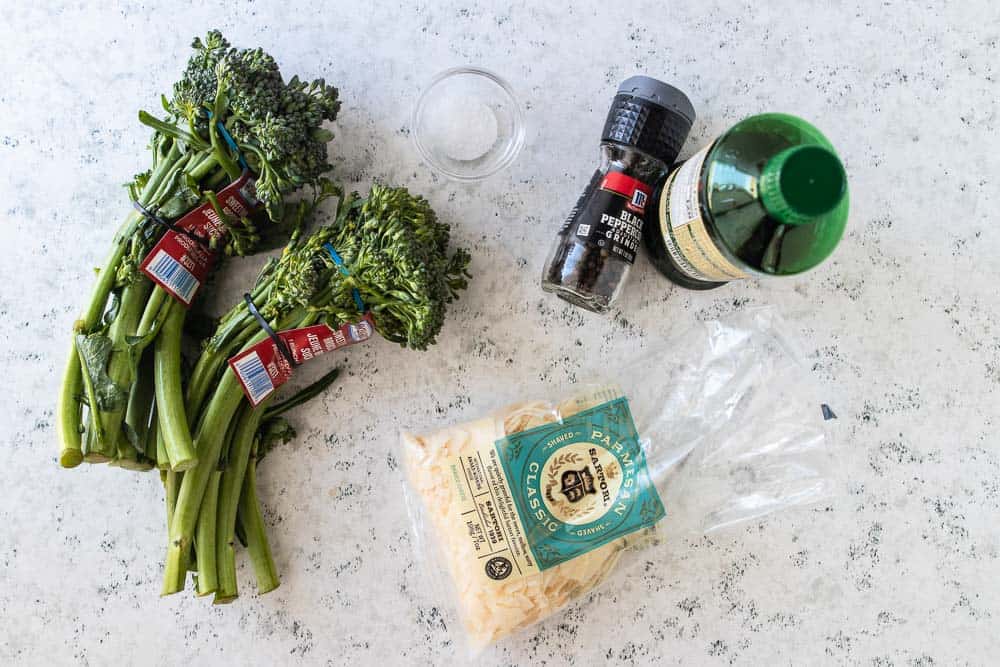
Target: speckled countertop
903	326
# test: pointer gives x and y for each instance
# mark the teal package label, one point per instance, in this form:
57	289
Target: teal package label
580	483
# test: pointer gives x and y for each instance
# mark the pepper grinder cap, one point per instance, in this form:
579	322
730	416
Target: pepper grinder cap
651	116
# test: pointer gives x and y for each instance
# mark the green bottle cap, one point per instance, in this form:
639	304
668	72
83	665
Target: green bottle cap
802	183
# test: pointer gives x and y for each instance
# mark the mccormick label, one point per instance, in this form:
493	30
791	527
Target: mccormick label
610	213
262	368
180	264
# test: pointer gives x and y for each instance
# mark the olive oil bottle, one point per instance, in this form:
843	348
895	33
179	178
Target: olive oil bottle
768	197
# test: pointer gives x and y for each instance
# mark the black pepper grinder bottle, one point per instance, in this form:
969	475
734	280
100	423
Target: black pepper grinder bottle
597	244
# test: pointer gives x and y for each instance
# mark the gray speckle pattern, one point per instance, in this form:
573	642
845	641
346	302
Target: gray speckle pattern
901	568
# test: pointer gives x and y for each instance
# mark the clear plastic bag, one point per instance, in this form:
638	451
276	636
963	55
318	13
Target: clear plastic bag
533	505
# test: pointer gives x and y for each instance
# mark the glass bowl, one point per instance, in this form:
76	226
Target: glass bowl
467	124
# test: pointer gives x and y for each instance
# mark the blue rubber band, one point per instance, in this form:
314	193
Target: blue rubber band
229	141
338	260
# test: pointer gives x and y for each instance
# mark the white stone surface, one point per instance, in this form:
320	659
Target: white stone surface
902	325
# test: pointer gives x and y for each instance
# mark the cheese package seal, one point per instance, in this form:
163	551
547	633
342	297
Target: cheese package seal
533	505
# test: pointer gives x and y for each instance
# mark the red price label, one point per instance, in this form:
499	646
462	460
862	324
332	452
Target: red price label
261	369
179	263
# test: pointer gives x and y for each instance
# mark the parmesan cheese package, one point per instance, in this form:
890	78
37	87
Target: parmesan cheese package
534	504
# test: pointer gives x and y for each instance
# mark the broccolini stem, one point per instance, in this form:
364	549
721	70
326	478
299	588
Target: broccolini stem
252	521
219	148
125	325
162	460
172	131
88	447
89	453
69	424
208	444
69	411
204	541
169	395
140	405
205	532
213	360
228	501
171	486
126	457
152	436
120	365
208	368
204	167
152	317
303	396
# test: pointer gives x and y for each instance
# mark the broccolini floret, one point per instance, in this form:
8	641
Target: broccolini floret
276	124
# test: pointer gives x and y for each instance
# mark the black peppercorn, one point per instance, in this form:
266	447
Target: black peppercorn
597	244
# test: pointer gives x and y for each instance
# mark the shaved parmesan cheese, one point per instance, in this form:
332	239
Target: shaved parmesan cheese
500	585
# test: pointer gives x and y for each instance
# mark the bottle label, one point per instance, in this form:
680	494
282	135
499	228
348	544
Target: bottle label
683	229
263	368
610	213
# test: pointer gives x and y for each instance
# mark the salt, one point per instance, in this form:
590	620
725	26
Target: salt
462	128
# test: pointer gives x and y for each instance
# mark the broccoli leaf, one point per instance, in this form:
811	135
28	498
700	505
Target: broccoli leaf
95	350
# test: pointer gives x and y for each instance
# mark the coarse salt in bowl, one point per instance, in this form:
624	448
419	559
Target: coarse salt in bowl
467	124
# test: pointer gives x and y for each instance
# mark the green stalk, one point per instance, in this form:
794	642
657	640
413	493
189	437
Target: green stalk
231	335
250	518
137	418
209	440
74	380
208	369
303	395
152	316
125	456
171	487
204	168
157	308
172	131
229	498
69	417
140	404
169	395
131	460
121	364
88	448
206	372
205	532
152	435
219	148
162	460
204	541
69	410
90	453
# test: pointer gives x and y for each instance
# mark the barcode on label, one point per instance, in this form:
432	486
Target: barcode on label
254	377
174	276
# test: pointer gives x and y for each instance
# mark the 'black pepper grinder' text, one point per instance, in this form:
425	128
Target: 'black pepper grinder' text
646	127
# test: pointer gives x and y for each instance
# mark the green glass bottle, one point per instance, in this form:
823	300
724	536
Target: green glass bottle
767	197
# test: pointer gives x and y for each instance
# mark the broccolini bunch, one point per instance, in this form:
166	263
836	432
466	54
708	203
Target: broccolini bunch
277	127
395	253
